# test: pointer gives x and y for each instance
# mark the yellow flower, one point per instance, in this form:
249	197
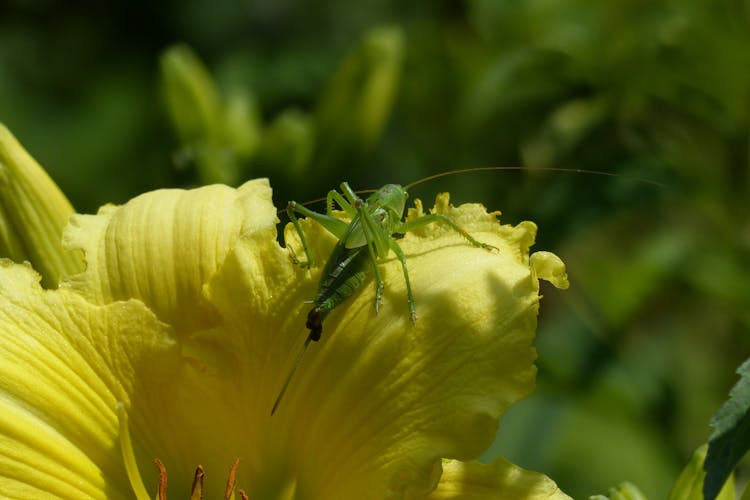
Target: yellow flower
175	340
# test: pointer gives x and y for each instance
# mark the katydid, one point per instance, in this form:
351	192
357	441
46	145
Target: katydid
369	237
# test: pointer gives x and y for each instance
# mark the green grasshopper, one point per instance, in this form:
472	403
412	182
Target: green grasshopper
369	237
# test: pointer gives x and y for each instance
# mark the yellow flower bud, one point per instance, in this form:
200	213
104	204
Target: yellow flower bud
32	214
357	101
192	98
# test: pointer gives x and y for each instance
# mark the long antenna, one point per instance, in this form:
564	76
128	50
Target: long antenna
291	373
515	167
534	169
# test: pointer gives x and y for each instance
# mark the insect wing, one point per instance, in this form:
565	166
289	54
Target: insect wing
344	272
355	235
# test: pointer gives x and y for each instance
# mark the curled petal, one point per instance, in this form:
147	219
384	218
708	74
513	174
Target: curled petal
163	246
548	266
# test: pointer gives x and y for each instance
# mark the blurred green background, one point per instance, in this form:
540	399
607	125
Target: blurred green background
639	354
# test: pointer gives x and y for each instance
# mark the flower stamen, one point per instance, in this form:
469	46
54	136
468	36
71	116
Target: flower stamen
232	480
196	491
134	475
162	493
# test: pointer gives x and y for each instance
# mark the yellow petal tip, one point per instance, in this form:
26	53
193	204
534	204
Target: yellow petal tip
549	267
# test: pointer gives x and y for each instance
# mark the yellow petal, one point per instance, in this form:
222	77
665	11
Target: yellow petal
498	481
64	365
163	246
33	212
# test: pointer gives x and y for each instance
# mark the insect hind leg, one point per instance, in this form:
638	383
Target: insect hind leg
433	218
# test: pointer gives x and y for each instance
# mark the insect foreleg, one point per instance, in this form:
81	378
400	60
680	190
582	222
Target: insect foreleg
432	218
331	224
400	254
379	283
335	196
375	232
351	196
374	240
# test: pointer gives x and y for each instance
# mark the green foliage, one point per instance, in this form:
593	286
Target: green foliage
625	491
213	135
730	439
227	143
690	484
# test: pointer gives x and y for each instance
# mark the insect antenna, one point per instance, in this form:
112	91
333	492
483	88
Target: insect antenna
533	169
291	373
509	167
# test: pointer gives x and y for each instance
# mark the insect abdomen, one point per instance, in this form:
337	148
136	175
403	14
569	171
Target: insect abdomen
344	273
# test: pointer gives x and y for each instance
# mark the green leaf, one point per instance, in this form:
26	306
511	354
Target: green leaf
689	486
730	439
